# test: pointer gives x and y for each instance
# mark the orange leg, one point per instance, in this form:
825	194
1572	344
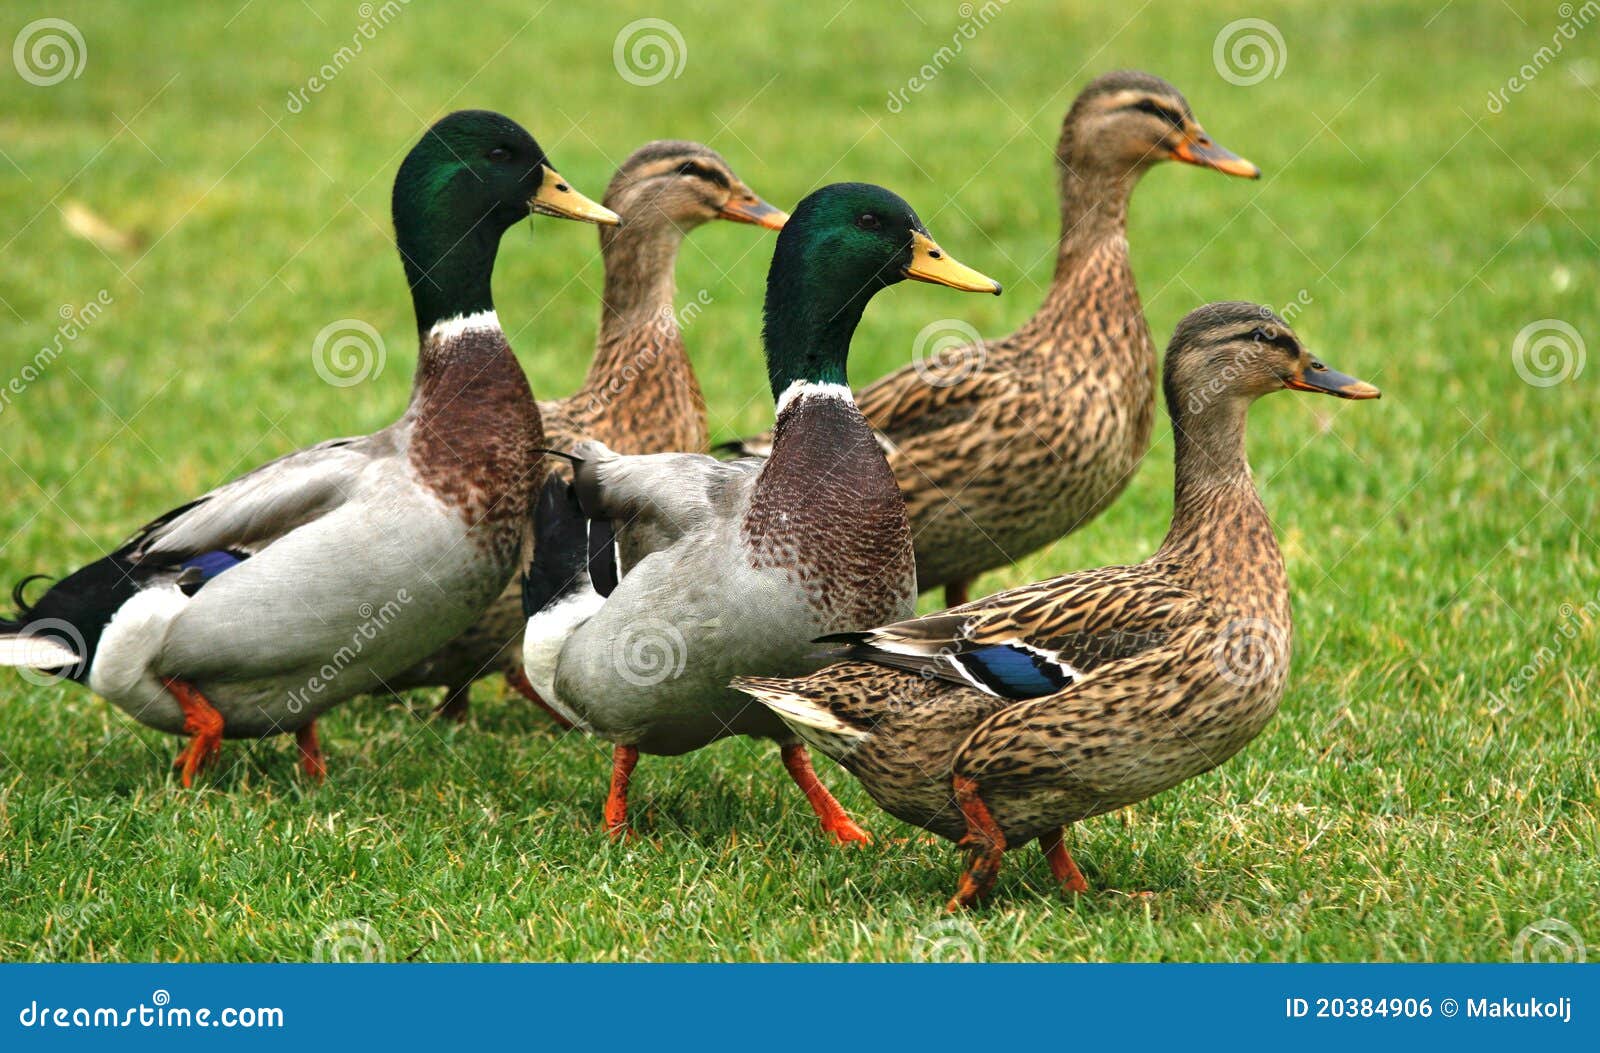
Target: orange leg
456	702
985	845
519	681
955	593
311	752
623	758
202	722
834	819
1061	864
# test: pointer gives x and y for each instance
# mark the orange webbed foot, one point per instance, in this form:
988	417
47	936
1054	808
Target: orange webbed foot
203	724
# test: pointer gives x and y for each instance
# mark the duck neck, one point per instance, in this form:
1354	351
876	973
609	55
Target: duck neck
448	272
1094	207
1218	520
640	260
807	336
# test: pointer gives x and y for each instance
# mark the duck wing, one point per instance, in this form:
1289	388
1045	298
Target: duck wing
653	500
1035	640
249	513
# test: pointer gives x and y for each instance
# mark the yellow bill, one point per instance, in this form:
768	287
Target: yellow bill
930	263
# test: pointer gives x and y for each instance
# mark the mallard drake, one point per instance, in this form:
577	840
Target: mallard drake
975	437
730	568
1003	720
641	395
250	610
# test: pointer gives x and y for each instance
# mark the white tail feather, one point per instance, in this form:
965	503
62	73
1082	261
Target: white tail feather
795	709
37	652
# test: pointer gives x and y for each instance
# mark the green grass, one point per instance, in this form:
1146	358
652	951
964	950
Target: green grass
1406	803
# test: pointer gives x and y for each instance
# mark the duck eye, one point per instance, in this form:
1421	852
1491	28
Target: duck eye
868	221
499	153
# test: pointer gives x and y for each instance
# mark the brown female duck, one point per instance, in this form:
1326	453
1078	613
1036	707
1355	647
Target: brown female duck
1006	719
641	395
1002	447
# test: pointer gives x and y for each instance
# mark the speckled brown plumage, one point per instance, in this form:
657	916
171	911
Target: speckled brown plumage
1170	666
484	463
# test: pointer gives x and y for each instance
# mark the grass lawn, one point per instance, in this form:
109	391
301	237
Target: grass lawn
1432	784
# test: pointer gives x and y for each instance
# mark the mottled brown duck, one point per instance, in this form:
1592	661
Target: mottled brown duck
1003	446
1004	720
641	395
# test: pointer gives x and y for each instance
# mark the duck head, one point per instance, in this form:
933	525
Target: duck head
471	177
1233	353
1127	121
844	244
685	184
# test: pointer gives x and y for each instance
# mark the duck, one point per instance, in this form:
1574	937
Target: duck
660	577
252	609
641	394
1006	719
974	434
